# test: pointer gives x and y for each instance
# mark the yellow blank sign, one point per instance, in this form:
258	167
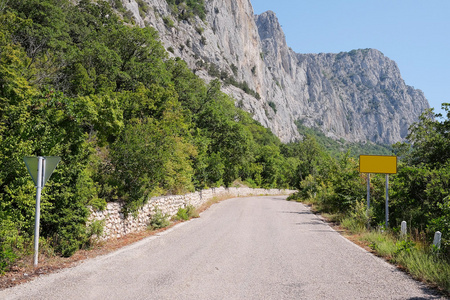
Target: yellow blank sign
378	164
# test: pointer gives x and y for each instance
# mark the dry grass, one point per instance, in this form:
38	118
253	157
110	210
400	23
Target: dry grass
212	201
416	259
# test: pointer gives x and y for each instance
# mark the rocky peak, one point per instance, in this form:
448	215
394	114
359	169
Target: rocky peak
269	27
366	90
357	95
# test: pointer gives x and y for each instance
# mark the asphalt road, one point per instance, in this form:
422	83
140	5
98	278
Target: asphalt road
242	248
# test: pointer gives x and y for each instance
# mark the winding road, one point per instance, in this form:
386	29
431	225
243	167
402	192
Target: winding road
241	248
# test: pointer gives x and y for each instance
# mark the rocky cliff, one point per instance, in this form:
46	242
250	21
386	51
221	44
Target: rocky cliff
357	95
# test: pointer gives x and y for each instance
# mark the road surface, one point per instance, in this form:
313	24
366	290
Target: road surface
242	248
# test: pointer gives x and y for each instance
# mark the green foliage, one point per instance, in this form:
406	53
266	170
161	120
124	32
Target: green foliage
335	148
143	8
419	192
130	123
430	139
152	157
182	214
242	85
273	106
441	222
187	9
420	261
95	230
334	185
358	218
186	213
11	243
404	246
159	220
168	22
192	211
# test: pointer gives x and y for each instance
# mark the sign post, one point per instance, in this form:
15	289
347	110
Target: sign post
368	193
40	169
378	164
387	201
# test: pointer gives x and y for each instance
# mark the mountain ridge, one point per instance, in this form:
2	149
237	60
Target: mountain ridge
358	95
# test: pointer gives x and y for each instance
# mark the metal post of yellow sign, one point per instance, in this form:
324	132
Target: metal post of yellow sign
368	192
386	209
378	164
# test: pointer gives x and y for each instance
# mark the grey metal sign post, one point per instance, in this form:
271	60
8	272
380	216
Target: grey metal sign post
387	201
368	193
40	169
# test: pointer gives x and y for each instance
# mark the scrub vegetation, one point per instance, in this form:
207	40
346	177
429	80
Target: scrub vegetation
130	123
418	194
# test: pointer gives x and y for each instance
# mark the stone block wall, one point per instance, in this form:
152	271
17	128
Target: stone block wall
116	225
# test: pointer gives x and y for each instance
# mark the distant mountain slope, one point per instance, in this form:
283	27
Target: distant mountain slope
358	95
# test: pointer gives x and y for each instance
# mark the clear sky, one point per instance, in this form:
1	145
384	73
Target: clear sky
413	33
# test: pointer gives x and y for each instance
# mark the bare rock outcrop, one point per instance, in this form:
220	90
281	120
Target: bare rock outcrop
357	95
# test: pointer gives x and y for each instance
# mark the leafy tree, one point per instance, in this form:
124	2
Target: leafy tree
430	139
127	121
152	157
229	138
186	9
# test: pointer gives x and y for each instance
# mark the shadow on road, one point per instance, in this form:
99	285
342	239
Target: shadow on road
433	294
297	212
311	223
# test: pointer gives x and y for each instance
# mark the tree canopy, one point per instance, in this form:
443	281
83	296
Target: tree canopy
130	123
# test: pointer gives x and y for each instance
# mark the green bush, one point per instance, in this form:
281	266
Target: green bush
186	9
168	22
159	220
95	231
186	213
182	214
192	211
11	244
359	219
420	261
273	106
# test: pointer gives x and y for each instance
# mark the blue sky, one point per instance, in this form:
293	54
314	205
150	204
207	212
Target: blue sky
415	34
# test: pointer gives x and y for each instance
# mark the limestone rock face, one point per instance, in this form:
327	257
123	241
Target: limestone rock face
357	95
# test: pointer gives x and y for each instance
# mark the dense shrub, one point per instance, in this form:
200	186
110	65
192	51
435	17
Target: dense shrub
127	121
419	192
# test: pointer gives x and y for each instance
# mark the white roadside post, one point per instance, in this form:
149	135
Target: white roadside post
437	240
40	169
403	229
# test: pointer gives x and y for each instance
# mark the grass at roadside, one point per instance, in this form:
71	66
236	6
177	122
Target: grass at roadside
411	253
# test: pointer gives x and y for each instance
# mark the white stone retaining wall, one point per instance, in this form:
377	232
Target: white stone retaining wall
116	225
